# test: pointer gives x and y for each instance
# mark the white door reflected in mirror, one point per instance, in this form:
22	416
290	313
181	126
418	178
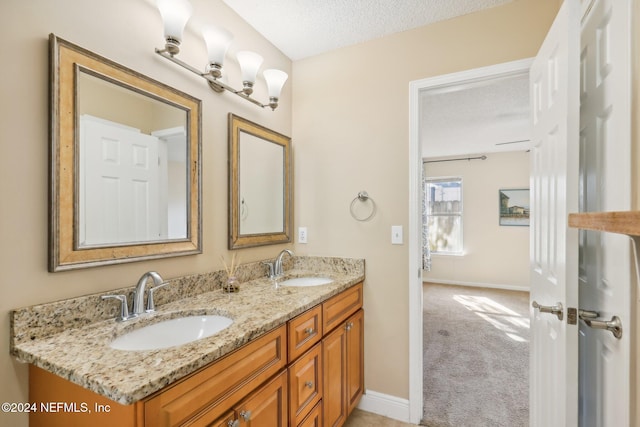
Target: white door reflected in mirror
133	169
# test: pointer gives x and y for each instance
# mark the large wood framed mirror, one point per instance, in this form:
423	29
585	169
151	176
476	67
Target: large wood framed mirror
125	164
260	191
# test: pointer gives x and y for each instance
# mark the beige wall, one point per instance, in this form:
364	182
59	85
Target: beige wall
125	31
350	133
494	255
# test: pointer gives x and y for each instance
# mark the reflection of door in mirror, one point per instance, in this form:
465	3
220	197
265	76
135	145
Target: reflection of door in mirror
261	185
133	177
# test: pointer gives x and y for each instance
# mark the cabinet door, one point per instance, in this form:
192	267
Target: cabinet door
334	350
305	384
355	359
266	407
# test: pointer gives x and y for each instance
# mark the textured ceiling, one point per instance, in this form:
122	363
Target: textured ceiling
303	28
479	118
464	120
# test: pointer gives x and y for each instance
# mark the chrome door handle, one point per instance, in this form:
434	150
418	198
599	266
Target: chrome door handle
551	309
590	319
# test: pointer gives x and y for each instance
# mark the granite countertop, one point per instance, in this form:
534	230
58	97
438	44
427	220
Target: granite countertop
82	354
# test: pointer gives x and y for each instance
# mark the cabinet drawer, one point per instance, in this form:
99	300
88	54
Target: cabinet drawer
337	309
314	419
225	421
305	384
216	388
267	406
304	332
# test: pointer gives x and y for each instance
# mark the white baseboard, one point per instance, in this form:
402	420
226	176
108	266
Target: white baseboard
385	405
476	284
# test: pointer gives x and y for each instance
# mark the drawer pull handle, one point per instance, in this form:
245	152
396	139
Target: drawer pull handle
348	326
233	423
309	331
309	384
246	415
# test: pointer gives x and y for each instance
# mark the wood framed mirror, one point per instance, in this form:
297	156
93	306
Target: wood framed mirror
125	155
260	190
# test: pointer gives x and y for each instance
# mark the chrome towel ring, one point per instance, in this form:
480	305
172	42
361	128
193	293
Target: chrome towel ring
364	198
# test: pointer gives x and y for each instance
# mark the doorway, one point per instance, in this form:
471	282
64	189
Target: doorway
446	83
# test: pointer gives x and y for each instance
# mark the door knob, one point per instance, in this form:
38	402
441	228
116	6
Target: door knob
590	319
551	309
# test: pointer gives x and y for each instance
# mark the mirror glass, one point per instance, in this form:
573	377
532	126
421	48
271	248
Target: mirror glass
125	164
260	187
132	165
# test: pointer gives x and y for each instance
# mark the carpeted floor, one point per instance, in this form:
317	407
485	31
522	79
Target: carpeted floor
476	357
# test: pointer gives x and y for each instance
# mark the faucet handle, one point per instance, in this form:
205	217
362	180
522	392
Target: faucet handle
124	307
271	268
151	307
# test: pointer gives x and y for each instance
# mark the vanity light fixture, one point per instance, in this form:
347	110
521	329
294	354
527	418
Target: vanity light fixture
175	14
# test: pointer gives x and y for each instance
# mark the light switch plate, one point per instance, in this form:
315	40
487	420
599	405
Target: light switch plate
396	234
302	234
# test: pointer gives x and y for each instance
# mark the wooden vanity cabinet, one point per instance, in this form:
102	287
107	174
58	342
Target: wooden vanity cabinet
307	373
205	398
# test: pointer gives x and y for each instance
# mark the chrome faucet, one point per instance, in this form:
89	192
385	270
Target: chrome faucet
277	264
138	295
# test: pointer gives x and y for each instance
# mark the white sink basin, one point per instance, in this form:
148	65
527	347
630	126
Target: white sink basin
172	332
306	281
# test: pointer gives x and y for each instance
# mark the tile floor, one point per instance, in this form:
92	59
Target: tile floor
360	418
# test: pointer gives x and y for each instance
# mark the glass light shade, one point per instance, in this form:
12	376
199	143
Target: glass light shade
275	80
175	14
218	41
249	64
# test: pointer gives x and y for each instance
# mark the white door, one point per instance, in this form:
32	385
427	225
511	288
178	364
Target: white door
605	269
119	184
554	247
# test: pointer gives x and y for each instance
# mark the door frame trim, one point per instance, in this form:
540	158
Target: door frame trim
415	216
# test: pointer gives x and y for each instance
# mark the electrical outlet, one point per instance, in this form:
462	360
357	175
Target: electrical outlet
302	234
396	234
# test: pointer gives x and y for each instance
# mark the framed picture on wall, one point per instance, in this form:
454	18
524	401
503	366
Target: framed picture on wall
514	207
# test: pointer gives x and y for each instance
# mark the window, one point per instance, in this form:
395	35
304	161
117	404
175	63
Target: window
444	215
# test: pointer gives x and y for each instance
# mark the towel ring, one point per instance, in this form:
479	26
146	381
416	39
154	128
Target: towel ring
363	197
